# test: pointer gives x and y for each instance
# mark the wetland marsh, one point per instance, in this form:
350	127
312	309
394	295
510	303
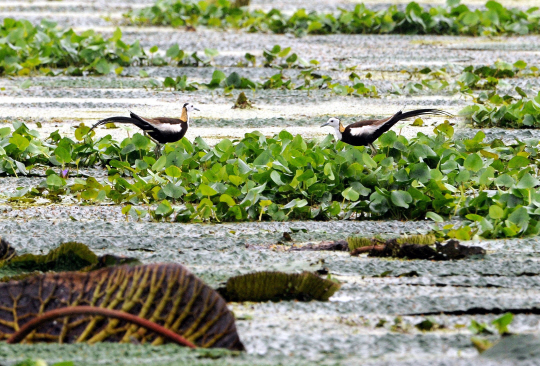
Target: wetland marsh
374	318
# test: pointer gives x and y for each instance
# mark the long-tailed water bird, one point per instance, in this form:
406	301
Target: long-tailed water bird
160	129
364	133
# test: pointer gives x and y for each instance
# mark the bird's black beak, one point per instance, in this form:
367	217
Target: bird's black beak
325	124
196	109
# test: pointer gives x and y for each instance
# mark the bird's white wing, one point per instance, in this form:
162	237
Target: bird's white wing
364	130
168	127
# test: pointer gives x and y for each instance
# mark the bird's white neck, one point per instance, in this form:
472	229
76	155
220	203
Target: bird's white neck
337	132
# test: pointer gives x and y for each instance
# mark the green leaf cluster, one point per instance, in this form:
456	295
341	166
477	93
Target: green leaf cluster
452	19
492	186
26	48
506	111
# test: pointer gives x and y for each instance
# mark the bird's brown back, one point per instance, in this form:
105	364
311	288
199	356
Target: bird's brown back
165	120
368	122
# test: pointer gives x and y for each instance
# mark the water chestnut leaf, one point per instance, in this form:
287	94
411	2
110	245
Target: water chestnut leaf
401	198
518	162
276	177
350	194
433	216
527	182
229	200
503	322
495	212
473	162
206	190
54	181
174	191
173	171
160	163
140	141
420	172
19	141
62	155
520	217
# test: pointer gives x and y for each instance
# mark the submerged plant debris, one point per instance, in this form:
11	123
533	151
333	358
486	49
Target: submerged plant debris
71	256
401	248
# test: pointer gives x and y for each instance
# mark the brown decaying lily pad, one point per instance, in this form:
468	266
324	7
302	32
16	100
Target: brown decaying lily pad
167	294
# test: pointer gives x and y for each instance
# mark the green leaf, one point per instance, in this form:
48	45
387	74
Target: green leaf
173	51
520	217
227	199
103	67
495	212
54	181
173	171
401	198
368	161
276	177
473	162
518	162
433	216
350	194
420	172
527	182
328	171
62	155
164	208
173	191
160	163
503	322
205	190
236	180
140	141
504	180
21	142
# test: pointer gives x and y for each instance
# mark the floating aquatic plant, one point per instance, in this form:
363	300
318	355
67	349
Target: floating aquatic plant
275	286
359	242
429	239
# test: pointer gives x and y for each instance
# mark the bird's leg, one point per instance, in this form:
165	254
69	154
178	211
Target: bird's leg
157	149
373	149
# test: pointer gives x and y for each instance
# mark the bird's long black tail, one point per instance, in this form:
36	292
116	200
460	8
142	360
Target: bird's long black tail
400	115
120	119
421	112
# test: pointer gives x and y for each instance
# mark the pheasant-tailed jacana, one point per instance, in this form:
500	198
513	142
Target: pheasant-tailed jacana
365	132
160	129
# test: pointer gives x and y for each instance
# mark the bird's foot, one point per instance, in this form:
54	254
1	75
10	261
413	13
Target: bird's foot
157	151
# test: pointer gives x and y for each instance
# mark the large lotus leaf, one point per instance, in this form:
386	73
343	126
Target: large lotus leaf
274	286
167	294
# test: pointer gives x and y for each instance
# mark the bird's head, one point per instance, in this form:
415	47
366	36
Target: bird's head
189	107
334	122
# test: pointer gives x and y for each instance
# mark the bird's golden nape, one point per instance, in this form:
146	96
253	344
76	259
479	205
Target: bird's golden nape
184	116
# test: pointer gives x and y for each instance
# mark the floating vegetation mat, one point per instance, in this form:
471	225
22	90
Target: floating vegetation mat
275	286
